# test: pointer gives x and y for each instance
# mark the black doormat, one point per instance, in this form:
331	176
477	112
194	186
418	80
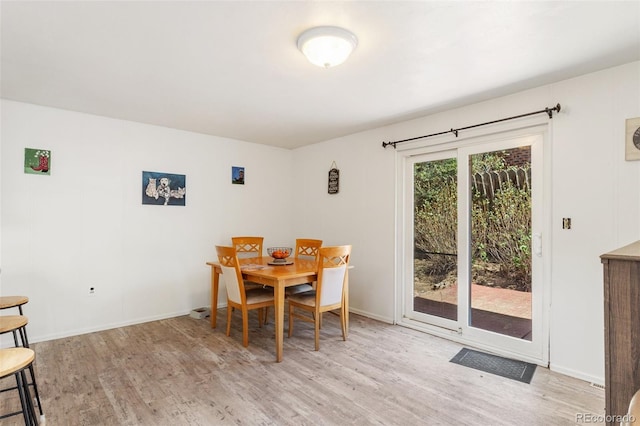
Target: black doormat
505	367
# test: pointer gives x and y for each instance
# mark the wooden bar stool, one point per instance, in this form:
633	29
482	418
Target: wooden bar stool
13	361
7	302
17	324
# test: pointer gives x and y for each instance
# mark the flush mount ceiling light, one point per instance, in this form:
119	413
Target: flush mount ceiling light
327	46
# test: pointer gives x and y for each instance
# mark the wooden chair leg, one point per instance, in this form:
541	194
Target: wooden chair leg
260	319
316	325
343	325
229	312
266	315
245	328
290	319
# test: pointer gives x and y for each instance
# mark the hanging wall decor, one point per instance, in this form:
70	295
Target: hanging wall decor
632	139
163	189
237	175
334	179
37	161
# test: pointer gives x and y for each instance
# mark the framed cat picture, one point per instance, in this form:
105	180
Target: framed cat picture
164	189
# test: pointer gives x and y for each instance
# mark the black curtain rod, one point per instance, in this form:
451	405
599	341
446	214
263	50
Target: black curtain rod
549	112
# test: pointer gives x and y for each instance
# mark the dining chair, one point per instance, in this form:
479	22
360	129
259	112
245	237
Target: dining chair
250	247
329	293
306	248
237	296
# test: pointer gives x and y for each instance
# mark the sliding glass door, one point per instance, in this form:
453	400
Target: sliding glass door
472	243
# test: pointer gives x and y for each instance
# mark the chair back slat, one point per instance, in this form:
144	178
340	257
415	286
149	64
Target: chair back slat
307	248
248	245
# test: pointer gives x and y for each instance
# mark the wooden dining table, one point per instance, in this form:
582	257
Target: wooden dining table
258	270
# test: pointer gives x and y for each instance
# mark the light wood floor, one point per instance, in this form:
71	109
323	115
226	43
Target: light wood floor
179	371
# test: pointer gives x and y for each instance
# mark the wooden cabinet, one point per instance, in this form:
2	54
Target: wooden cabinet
622	328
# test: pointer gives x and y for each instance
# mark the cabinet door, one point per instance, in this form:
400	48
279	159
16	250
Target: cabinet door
623	336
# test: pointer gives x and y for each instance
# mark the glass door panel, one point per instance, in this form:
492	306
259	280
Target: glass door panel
500	220
435	224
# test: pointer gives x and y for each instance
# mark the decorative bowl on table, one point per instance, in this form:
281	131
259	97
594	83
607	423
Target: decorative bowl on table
279	254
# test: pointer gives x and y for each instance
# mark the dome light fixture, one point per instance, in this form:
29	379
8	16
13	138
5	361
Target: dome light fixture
327	46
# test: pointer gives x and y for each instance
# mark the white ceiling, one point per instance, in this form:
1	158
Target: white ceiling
232	68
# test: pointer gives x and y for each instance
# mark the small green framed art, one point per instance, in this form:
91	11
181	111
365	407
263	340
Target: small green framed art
37	161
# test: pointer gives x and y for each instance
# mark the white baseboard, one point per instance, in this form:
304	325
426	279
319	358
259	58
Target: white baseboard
577	374
372	316
77	332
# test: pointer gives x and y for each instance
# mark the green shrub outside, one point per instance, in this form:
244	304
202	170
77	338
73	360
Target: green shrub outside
500	225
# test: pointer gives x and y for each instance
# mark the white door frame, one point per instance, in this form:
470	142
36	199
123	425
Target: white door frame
537	350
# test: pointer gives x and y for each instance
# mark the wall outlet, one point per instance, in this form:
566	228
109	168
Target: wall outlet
92	291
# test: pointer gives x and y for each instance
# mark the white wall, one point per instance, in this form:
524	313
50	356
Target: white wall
591	183
85	225
361	213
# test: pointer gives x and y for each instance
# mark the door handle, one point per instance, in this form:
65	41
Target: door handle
537	244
